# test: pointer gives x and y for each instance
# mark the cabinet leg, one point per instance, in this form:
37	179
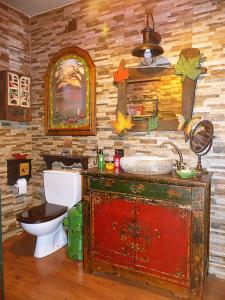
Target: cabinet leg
87	268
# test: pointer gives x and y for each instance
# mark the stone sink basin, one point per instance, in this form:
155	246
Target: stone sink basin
146	165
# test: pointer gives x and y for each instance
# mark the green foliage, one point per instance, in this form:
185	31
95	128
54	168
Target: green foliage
153	123
188	67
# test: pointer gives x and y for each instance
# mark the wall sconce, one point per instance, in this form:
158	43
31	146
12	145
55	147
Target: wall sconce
150	47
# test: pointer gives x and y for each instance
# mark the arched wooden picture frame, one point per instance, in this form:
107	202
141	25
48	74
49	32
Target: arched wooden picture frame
70	83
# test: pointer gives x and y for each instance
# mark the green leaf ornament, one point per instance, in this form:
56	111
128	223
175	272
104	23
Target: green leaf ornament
188	67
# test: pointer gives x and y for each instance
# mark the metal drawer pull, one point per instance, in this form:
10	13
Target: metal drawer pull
131	227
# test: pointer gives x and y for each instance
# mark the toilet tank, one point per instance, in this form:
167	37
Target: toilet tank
62	187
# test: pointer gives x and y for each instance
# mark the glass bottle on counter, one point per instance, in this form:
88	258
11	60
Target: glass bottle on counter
116	159
101	159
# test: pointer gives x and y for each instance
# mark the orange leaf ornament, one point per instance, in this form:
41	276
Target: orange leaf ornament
121	74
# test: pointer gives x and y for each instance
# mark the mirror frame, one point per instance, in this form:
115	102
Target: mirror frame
143	74
208	136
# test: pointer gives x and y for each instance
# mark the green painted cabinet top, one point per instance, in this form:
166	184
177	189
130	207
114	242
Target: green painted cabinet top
168	179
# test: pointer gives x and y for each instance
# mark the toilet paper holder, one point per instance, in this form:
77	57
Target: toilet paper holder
18	168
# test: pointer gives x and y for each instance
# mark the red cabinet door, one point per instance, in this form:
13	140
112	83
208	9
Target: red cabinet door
163	241
113	225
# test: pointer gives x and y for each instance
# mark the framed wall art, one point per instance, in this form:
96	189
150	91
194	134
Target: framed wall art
70	84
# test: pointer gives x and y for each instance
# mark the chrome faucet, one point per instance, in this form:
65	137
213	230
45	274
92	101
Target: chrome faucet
179	164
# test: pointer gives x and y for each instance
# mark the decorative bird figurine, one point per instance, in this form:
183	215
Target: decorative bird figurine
187	125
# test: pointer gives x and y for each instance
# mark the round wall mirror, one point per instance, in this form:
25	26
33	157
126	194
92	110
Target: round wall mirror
201	141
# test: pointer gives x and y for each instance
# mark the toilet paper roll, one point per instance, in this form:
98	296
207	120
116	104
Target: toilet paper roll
21	186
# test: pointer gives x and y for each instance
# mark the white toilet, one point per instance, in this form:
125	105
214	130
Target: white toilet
62	191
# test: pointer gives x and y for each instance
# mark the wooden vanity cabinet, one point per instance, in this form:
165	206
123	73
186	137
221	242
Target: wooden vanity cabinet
146	236
152	228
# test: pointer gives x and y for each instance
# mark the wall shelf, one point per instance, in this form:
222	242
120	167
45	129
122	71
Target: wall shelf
67	160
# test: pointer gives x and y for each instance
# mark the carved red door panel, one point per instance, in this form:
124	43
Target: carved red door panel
163	241
113	225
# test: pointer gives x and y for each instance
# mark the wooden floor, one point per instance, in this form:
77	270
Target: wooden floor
58	278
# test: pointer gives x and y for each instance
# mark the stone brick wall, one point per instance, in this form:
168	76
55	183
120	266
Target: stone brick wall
14	137
109	30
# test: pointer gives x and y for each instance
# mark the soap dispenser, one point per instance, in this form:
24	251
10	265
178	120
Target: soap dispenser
116	159
101	159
